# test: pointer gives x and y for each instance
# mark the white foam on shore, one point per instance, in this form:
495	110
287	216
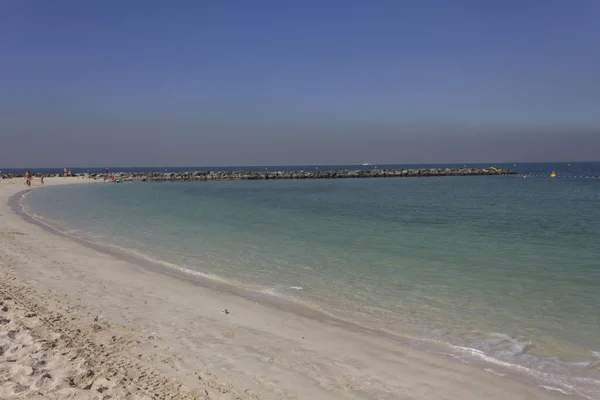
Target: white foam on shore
176	267
271	291
547	379
553	389
491	371
504	345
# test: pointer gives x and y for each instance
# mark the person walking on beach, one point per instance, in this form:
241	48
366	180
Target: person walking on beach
42	180
28	178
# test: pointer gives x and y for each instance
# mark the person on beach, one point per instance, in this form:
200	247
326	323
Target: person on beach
28	178
42	179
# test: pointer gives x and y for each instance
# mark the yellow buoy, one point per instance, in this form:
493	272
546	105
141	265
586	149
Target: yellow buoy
553	175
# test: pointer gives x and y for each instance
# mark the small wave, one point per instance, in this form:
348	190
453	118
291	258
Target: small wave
56	226
271	291
504	345
25	194
194	272
491	371
43	221
553	389
586	364
481	355
563	381
581	364
183	269
296	288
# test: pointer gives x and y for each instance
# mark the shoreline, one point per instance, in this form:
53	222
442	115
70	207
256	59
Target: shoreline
204	281
453	351
331	344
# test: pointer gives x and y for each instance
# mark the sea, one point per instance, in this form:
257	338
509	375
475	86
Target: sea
499	271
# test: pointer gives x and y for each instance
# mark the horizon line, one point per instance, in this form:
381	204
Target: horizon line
305	165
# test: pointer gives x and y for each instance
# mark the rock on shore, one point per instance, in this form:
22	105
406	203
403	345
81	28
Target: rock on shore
300	174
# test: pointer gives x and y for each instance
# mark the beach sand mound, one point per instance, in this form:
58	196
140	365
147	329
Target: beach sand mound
49	353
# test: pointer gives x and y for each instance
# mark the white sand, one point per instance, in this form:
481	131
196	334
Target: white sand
80	323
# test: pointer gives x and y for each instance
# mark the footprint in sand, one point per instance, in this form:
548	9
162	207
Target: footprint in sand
13	233
228	334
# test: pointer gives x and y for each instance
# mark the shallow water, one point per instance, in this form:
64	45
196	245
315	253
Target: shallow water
506	269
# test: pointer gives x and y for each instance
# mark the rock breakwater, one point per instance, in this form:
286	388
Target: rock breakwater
300	174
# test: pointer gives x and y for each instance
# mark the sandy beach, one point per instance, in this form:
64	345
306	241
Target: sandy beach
77	322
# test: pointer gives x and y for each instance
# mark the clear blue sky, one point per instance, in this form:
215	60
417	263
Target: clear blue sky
128	83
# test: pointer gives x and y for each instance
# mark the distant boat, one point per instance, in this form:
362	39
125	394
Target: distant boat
366	163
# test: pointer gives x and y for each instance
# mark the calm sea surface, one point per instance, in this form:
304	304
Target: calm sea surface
505	270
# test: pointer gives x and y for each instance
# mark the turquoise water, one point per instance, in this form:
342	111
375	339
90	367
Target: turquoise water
505	269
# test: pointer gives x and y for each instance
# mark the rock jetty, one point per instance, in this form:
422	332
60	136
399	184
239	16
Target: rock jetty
300	174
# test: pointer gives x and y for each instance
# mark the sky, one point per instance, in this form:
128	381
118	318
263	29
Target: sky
208	83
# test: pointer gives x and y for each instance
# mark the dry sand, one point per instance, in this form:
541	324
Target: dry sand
79	323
